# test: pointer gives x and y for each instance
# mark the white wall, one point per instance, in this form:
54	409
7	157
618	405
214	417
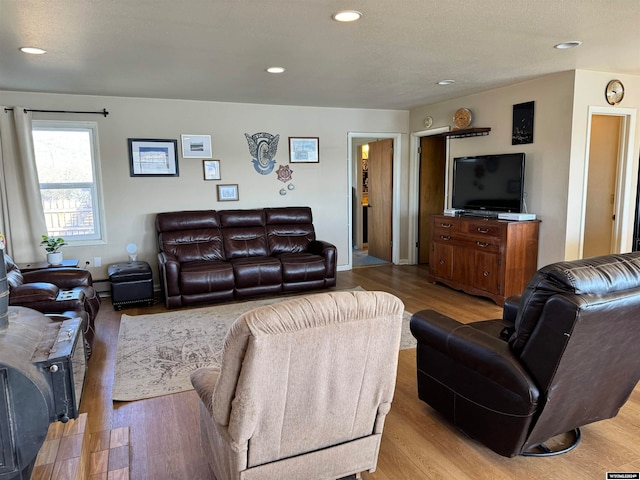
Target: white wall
131	203
547	158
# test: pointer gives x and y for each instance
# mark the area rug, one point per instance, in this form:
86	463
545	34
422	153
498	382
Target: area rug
157	352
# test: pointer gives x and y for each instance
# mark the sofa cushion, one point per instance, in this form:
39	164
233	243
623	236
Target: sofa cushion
206	277
256	271
193	245
302	267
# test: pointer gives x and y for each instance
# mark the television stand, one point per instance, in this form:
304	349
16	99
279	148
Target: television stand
483	256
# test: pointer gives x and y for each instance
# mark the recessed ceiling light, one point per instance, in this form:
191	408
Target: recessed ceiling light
565	45
276	69
33	50
347	16
446	82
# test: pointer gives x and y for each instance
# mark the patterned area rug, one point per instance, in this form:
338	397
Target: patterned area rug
157	352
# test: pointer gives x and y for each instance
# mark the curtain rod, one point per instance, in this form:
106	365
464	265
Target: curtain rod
103	112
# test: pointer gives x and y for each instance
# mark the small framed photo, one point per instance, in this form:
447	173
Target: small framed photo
211	169
304	150
153	158
196	146
228	193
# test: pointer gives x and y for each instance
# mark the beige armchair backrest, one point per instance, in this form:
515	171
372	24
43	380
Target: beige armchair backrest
308	373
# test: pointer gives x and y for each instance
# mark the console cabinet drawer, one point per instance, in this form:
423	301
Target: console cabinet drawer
488	257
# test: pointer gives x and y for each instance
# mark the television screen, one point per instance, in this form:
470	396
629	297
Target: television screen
485	184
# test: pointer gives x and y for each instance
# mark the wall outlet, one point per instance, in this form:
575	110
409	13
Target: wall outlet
97	261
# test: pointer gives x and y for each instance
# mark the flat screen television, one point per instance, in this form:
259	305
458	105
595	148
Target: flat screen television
488	184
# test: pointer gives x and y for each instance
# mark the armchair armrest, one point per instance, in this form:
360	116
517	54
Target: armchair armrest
490	367
63	277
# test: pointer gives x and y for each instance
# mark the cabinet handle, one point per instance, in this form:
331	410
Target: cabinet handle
483	244
482	230
445	237
446	225
441	262
485	274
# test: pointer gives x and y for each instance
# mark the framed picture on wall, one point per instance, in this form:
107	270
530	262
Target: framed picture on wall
196	146
153	158
522	123
228	193
211	169
304	150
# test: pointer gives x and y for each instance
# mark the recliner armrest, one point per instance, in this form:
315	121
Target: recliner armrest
33	292
328	251
63	277
510	309
474	349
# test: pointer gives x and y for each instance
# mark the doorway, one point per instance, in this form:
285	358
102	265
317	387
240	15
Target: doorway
364	210
609	189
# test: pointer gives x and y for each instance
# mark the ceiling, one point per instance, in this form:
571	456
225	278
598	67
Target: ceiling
392	58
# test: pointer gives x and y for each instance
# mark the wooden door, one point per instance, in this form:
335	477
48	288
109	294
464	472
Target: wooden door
380	199
431	197
601	185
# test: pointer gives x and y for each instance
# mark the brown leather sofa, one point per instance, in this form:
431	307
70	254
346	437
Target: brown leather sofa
207	256
563	356
63	291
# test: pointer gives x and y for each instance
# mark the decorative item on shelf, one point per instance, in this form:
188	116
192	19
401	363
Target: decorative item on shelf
428	122
462	118
196	146
263	147
52	246
614	93
132	248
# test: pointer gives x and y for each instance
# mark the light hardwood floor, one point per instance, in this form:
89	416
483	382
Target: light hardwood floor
416	444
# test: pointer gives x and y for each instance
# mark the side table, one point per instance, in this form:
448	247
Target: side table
28	267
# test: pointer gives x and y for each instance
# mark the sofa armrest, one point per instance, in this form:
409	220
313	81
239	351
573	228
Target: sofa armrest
169	270
475	350
63	277
326	250
28	293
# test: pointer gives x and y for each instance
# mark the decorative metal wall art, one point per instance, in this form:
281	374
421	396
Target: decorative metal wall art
263	147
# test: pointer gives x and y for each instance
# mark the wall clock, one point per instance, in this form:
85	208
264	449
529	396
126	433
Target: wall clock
462	118
614	93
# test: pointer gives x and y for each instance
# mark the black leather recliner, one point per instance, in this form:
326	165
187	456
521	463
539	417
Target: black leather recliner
567	357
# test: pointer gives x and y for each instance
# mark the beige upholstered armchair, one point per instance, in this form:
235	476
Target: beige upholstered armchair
304	388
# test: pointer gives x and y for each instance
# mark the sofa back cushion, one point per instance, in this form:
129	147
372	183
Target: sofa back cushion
243	233
190	235
289	229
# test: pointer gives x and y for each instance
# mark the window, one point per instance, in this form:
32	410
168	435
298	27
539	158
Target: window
67	162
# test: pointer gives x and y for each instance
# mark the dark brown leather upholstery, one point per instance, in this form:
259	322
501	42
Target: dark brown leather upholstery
58	290
207	255
569	359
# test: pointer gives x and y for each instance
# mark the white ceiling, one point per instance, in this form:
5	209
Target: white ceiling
391	59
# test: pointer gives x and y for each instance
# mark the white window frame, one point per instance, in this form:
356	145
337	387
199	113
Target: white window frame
99	237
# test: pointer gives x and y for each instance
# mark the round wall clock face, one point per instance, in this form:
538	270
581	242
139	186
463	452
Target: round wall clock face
614	93
462	118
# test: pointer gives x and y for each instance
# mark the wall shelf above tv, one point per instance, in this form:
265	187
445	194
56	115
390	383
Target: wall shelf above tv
467	132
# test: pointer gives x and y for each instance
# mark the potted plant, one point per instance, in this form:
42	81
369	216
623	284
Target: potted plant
52	246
